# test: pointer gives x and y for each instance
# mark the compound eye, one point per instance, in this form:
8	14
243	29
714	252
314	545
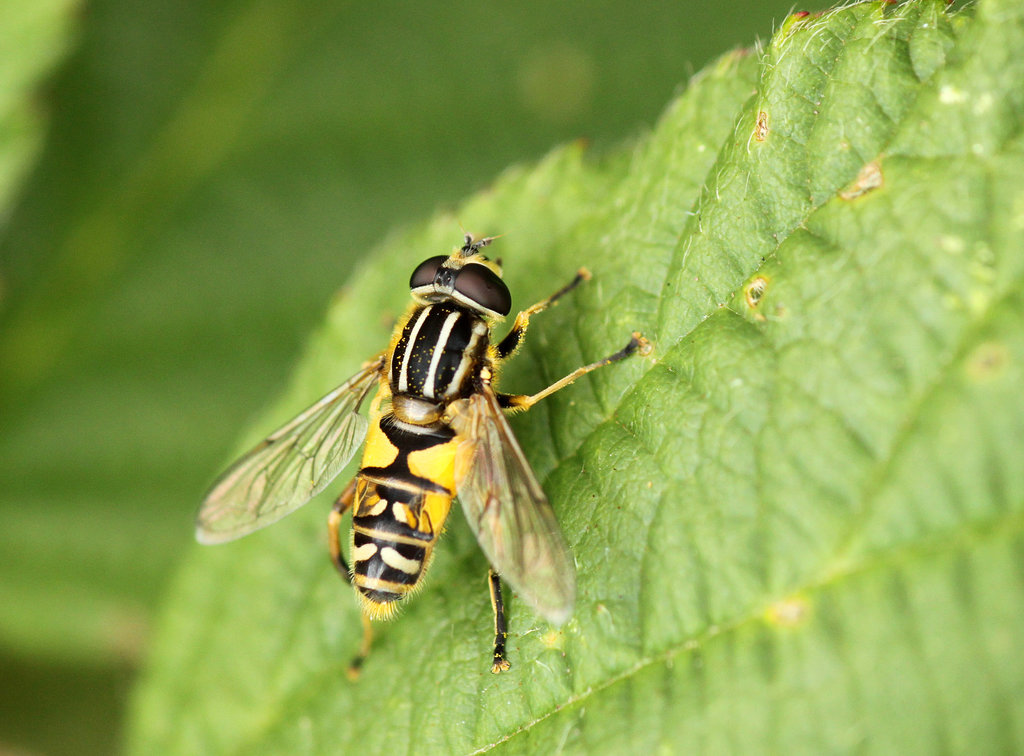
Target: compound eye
425	272
483	286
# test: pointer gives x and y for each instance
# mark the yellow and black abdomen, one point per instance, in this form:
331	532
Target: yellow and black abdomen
403	496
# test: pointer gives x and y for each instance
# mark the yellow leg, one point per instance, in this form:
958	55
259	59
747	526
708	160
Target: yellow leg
342	505
523	402
511	342
356	665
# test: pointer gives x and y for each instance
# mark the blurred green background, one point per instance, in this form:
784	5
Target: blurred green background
184	185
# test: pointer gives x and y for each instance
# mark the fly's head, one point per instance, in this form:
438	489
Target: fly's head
465	276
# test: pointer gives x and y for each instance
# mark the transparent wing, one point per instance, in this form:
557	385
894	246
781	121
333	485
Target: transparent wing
509	512
290	466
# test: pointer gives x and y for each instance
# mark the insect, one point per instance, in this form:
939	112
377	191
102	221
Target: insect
436	429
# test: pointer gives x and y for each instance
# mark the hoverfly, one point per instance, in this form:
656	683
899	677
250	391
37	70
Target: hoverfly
436	430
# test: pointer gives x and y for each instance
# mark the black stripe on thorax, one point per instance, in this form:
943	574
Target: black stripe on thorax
432	347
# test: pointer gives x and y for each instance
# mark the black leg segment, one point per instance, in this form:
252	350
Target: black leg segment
500	663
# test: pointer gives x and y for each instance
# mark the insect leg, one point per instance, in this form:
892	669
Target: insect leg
342	505
511	342
356	665
524	401
500	629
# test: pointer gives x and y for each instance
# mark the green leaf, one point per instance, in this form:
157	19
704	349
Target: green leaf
797	524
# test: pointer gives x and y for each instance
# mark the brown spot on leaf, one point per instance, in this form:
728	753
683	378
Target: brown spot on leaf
761	129
753	293
988	361
869	179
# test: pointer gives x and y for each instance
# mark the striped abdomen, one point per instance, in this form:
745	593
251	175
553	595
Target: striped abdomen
439	351
402	499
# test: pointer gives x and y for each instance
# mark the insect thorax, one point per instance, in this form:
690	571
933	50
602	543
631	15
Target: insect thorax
437	358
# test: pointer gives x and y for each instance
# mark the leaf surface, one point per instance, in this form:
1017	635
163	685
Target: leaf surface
797	524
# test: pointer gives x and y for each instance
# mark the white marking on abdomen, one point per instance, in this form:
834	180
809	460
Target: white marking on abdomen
403	374
377	508
393	559
364	552
400	512
435	358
